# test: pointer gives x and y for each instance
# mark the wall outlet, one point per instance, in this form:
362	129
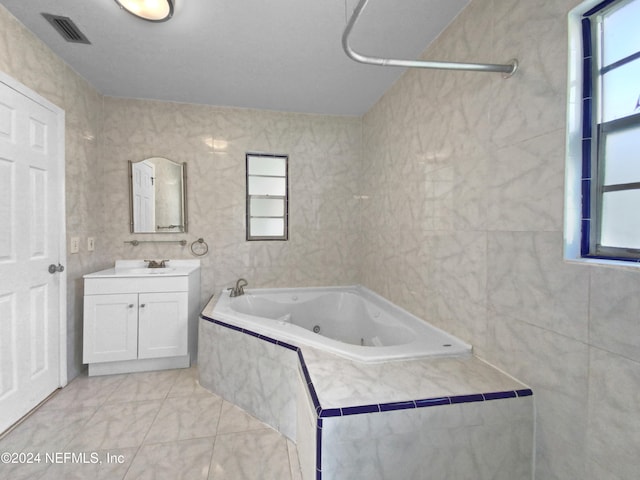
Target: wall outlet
91	244
75	245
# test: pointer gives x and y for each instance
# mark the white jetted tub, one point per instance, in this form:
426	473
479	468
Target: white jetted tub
353	322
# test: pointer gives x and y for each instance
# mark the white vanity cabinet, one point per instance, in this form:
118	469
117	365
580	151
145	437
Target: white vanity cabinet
162	324
110	328
129	325
137	319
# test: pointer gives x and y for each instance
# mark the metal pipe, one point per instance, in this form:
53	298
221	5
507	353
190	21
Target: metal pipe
507	70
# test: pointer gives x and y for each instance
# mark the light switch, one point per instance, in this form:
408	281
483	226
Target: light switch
75	245
91	244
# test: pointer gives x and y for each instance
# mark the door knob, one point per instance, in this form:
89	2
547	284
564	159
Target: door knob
55	268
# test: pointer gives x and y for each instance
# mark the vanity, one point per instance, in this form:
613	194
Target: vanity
138	318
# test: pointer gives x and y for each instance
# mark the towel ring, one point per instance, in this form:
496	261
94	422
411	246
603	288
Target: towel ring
199	248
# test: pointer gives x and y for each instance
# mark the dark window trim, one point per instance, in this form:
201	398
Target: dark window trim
593	143
248	197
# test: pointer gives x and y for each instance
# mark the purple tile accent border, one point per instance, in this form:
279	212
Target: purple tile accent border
389	407
288	346
360	409
223	324
374	408
499	395
252	333
425	402
527	392
319	450
433	402
310	387
467	398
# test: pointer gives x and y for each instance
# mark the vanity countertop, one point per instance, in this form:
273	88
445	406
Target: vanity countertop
138	268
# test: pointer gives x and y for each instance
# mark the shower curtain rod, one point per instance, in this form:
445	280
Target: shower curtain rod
507	70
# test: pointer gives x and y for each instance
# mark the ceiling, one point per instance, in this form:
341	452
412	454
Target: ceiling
281	55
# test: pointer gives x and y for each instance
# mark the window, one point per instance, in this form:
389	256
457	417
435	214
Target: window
267	197
610	183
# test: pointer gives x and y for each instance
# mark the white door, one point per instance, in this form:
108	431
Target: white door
31	200
163	324
144	197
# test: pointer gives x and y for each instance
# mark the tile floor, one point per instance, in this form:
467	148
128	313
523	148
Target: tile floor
152	425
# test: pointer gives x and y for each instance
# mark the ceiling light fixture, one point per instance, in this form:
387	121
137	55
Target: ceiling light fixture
151	10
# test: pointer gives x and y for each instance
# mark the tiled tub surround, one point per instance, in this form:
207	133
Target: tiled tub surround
445	418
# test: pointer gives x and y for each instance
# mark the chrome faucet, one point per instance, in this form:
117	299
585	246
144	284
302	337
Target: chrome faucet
156	264
239	288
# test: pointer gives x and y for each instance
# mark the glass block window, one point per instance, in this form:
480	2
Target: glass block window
611	131
267	196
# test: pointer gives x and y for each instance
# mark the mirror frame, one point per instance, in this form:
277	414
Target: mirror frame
184	196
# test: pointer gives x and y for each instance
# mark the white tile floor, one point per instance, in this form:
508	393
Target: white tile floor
153	425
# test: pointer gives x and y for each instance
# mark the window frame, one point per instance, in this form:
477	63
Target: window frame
594	136
285	198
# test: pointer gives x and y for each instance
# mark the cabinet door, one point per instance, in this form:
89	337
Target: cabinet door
110	328
163	324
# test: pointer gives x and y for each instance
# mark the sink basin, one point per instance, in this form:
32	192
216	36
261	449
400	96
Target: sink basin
137	269
147	271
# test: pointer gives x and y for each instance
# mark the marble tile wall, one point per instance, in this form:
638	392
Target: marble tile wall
25	58
324	160
464	176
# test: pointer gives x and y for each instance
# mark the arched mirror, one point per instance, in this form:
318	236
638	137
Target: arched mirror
158	196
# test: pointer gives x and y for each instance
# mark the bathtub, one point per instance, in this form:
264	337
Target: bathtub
352	322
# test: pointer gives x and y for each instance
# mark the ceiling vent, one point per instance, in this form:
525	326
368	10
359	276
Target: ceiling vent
66	28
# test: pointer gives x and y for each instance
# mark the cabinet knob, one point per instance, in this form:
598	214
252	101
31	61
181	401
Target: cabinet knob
142	305
131	305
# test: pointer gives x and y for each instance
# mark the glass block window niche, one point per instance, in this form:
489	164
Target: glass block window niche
267	196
